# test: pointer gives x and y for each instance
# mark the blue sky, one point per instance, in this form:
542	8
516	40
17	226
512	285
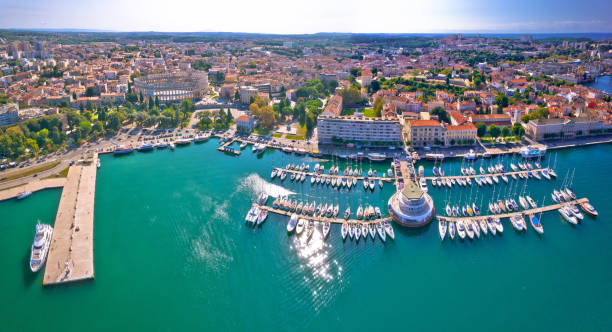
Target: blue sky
281	16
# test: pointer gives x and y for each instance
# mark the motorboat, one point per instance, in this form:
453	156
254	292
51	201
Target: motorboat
292	223
40	246
24	195
567	216
262	216
300	226
588	208
516	223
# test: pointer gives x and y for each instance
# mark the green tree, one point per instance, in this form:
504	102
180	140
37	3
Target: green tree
481	129
518	130
501	101
505	132
90	91
441	113
494	131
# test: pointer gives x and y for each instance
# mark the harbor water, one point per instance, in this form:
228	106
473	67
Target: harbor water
172	253
603	83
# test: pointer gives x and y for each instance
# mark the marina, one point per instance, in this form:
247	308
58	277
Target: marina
509	215
202	240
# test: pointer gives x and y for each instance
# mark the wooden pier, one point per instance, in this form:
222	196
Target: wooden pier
71	255
324	219
515	213
324	175
449	177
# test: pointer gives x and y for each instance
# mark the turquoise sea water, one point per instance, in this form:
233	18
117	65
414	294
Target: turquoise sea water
172	253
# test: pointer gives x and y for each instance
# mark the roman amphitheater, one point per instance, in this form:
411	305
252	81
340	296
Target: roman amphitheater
173	86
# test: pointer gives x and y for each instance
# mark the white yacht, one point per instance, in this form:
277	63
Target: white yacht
40	247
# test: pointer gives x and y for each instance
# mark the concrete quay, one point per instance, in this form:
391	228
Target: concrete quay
71	252
32	187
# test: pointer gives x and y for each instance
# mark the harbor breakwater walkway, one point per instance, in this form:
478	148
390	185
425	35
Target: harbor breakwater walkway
510	214
71	252
32	187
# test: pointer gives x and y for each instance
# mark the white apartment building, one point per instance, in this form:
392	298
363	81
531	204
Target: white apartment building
367	131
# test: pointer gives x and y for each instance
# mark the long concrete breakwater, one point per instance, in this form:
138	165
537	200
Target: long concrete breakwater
71	252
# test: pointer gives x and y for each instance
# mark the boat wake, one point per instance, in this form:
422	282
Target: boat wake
259	185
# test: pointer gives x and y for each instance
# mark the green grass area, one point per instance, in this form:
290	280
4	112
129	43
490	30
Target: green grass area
370	113
301	130
28	172
62	174
277	135
296	137
259	131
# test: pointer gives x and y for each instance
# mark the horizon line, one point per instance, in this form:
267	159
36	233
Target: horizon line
90	30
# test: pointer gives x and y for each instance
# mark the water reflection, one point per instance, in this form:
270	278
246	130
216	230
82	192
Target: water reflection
315	252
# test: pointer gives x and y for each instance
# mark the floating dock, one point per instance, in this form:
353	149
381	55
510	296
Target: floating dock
324	219
515	213
324	175
225	148
32	187
71	252
449	177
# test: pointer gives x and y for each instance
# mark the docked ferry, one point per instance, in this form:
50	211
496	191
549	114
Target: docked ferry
532	151
40	247
146	147
182	141
122	149
377	156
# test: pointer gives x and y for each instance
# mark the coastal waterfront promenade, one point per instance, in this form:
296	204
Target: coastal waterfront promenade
32	186
71	251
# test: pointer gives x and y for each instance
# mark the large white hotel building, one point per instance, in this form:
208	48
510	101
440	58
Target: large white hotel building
358	129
